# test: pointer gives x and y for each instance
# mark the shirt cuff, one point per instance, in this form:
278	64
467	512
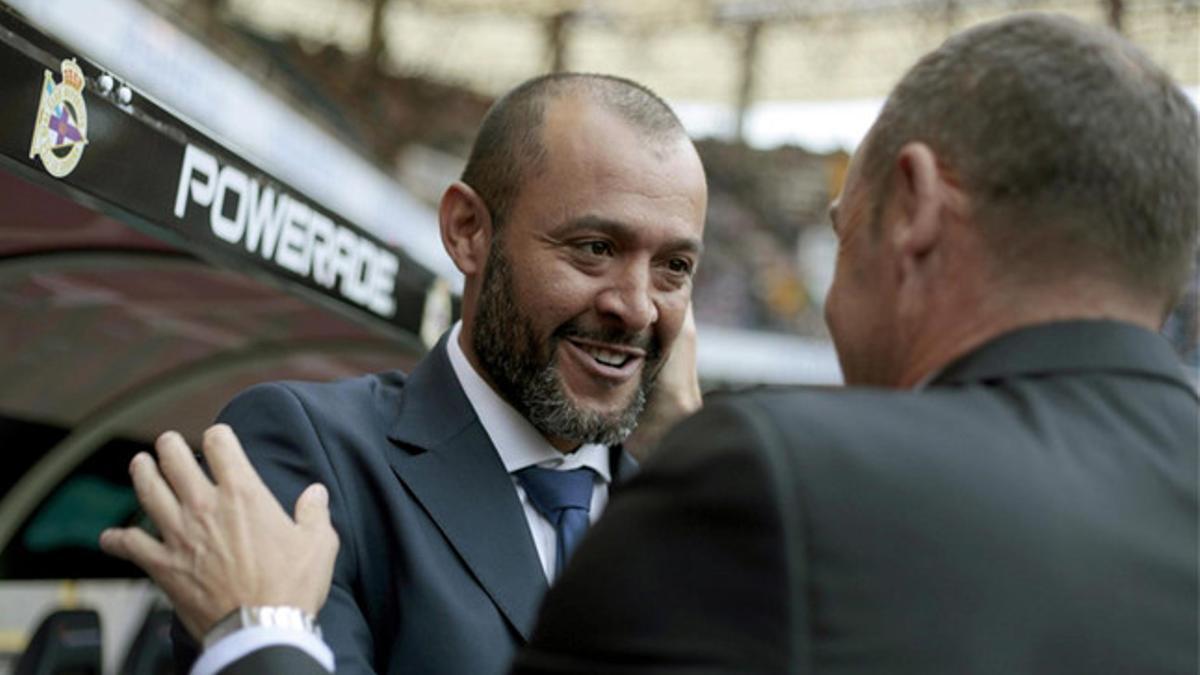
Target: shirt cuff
243	642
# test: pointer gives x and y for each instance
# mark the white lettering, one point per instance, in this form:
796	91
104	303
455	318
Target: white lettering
383	283
354	285
344	263
230	229
292	252
266	219
321	241
287	231
197	161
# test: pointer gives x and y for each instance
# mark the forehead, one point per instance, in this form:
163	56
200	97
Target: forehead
597	164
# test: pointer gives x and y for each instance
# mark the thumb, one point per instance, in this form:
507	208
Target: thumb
312	507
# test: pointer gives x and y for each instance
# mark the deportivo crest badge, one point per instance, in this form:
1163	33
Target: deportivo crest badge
60	133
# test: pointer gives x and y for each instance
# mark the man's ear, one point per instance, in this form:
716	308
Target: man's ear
920	197
466	227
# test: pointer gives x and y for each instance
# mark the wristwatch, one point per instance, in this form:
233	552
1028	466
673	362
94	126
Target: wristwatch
289	618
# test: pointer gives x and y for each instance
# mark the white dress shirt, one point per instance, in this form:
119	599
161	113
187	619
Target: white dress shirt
519	445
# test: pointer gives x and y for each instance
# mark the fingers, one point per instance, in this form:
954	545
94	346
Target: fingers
136	546
312	507
312	516
177	463
154	494
226	457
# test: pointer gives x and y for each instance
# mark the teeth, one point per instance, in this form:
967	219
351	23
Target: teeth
608	358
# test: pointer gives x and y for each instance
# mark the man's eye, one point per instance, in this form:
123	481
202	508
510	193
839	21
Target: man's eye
680	265
599	248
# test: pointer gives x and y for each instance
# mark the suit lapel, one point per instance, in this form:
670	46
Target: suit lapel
622	464
445	458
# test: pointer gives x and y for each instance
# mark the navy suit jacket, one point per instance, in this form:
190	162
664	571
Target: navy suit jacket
437	571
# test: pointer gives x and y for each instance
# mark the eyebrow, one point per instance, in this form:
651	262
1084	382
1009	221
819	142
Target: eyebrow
619	230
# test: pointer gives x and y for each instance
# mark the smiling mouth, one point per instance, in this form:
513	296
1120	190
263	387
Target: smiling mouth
608	355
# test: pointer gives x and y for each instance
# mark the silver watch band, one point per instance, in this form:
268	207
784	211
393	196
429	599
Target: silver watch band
277	616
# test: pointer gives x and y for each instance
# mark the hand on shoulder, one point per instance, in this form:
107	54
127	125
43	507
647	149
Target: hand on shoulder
225	544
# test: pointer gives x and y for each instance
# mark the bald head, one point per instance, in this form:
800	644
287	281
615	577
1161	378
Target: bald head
1078	153
510	149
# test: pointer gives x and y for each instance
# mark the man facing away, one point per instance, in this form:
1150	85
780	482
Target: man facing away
577	226
1011	487
1015	488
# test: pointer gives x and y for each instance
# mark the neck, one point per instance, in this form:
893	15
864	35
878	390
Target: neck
563	445
982	319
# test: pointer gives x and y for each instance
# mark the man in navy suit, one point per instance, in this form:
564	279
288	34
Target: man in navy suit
577	225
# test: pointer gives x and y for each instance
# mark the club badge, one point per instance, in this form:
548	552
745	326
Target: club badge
60	133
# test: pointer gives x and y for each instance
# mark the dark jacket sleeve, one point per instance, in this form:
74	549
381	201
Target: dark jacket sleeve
185	649
282	441
275	661
686	571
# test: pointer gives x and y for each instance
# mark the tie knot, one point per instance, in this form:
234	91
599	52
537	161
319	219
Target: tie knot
551	492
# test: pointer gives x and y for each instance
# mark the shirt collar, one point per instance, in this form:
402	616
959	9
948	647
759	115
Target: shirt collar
518	443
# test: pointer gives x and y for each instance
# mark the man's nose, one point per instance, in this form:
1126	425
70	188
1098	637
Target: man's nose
630	299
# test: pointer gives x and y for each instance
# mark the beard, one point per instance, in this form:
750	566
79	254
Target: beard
525	369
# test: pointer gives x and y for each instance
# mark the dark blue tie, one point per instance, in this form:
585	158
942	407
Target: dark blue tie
563	498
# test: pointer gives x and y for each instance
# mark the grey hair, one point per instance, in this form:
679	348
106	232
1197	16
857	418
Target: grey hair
1069	141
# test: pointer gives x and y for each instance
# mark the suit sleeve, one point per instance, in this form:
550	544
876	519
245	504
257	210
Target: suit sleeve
275	660
280	437
266	650
685	573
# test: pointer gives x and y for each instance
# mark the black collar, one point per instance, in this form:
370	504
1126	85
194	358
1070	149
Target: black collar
1070	346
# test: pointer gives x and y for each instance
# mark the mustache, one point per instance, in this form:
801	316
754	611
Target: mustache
647	341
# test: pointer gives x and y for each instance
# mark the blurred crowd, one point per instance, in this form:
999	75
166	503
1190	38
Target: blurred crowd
769	252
